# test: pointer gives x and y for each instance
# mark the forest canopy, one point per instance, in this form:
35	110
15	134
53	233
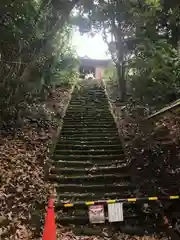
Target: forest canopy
35	47
143	39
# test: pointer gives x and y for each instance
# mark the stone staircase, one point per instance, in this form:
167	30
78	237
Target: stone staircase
88	162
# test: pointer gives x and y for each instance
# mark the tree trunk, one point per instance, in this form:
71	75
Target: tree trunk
121	71
179	49
121	81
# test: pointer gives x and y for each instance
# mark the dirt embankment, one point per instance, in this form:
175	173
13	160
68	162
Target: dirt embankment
152	146
23	189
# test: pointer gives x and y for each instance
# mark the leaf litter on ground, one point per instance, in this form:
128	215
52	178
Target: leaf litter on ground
23	190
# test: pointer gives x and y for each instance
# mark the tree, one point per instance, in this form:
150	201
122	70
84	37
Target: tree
55	20
138	31
155	75
120	22
107	17
31	37
30	45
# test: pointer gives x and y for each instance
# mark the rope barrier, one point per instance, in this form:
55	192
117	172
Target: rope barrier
124	200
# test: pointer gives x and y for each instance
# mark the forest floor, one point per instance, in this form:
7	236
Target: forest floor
23	188
24	191
152	146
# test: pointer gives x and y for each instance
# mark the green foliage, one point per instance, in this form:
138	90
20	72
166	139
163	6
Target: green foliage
65	72
154	3
35	49
110	73
62	68
155	73
65	78
35	41
142	36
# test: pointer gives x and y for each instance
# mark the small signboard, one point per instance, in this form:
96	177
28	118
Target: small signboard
115	212
96	214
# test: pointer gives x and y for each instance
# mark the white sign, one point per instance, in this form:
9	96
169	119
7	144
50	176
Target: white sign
96	214
115	212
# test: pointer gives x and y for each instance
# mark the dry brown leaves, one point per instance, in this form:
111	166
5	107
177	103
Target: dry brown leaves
23	190
65	234
22	179
153	146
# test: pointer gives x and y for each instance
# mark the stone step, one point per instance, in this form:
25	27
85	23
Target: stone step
84	146
80	226
87	110
89	138
90	105
97	230
88	152
85	164
90	102
108	178
74	108
90	98
97	161
93	158
93	142
90	95
89	123
100	188
80	104
89	114
88	170
90	117
89	162
66	220
90	110
90	91
88	129
94	119
93	196
92	125
88	230
84	134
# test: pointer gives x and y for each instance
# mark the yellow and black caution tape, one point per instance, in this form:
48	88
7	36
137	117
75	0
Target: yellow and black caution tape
124	200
